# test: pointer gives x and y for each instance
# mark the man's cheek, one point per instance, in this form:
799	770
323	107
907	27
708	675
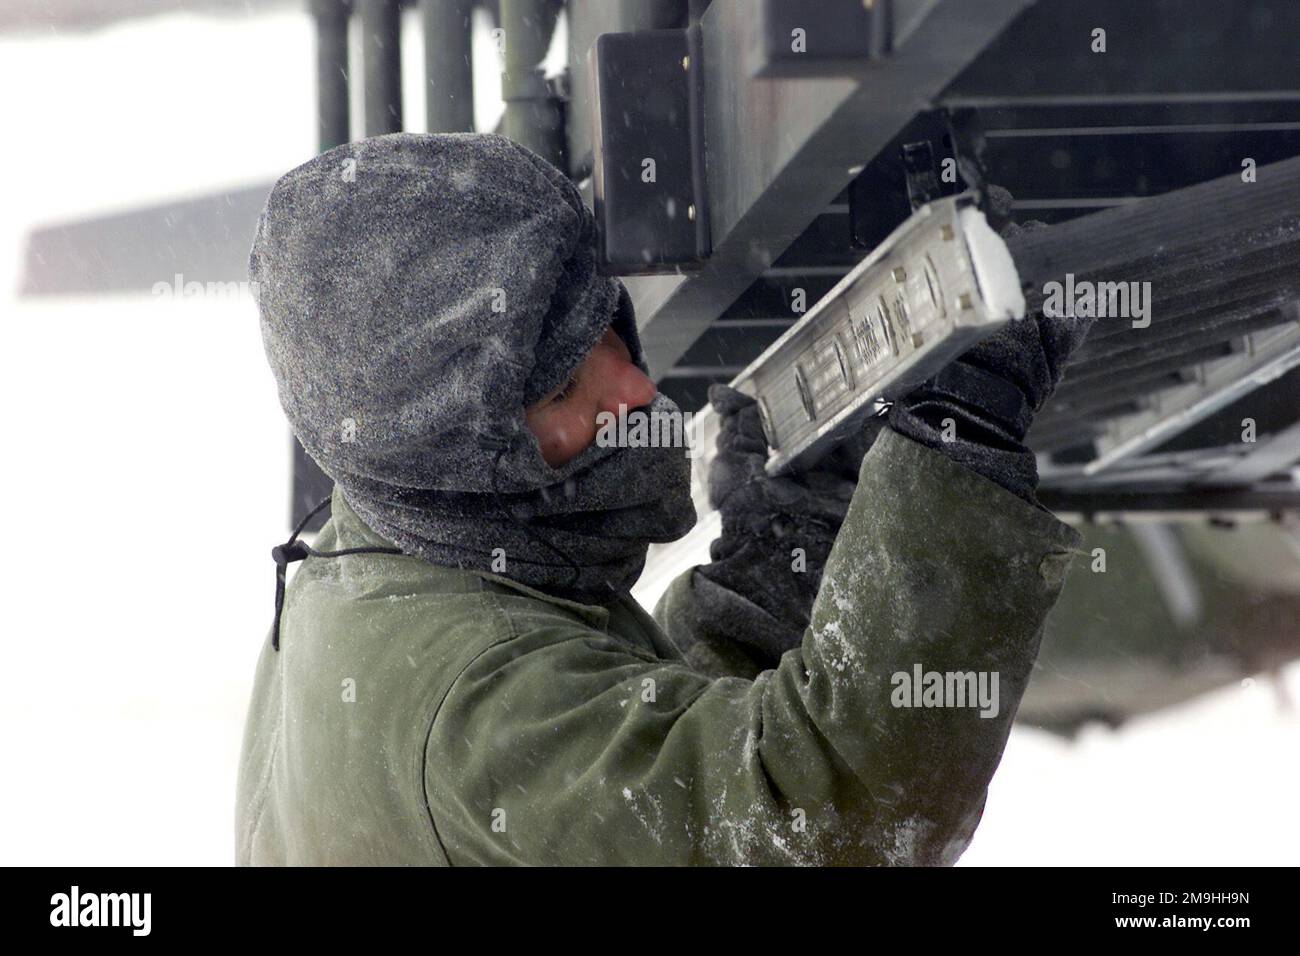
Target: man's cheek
566	435
579	431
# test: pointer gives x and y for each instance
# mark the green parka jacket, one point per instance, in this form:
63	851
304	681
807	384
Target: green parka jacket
418	714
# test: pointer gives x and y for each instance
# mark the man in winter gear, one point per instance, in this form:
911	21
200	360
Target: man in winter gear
467	680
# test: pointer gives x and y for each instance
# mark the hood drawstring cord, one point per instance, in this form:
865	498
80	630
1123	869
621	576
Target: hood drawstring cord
295	550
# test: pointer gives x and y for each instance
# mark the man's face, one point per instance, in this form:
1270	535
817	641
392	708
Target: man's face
565	421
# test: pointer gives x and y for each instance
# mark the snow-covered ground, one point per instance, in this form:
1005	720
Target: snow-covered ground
146	468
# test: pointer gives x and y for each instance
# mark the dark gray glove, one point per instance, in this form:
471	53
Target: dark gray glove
991	393
758	591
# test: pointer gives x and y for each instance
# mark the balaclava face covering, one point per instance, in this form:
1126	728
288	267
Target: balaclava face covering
416	293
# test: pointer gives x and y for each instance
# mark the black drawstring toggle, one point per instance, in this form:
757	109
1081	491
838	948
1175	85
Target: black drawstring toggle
295	550
284	555
289	552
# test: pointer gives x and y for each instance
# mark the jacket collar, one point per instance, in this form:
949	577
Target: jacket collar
351	532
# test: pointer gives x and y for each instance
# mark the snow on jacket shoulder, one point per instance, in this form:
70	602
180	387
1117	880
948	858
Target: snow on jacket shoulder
417	714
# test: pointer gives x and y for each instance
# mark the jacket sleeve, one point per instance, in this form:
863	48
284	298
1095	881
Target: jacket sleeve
560	744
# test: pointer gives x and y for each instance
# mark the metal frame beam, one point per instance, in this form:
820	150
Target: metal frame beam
779	151
1169	505
448	68
1276	454
381	63
332	86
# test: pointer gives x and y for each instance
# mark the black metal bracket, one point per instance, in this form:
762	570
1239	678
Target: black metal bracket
938	154
648	174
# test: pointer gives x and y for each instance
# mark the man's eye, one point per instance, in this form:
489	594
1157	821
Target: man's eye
565	392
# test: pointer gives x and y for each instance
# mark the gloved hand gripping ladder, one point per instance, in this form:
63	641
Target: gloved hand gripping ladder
939	283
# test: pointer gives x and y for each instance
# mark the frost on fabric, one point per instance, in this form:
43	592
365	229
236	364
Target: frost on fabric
832	633
912	841
903	845
648	811
748	827
760	834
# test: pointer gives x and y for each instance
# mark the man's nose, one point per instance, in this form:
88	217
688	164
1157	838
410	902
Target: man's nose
626	385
